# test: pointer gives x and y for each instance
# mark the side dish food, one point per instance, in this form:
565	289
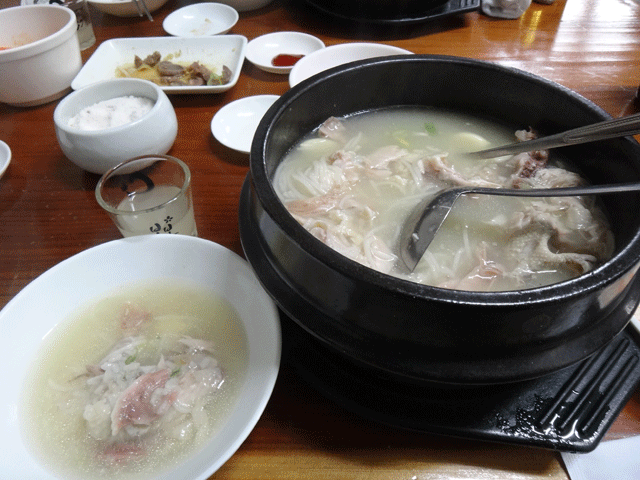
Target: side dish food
168	71
353	181
135	383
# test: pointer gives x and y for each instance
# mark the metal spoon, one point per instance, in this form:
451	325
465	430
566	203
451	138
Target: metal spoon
425	219
618	127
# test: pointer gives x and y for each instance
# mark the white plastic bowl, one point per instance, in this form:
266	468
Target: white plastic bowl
98	150
43	55
201	19
90	275
262	50
340	54
125	8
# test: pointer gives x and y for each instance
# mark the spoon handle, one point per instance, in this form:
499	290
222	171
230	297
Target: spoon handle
617	127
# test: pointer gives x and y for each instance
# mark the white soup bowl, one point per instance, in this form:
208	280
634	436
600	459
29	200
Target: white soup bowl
41	54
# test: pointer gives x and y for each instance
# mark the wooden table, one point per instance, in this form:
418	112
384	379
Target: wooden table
48	213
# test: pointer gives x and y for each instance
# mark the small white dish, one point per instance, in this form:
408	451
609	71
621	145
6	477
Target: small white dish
262	51
56	295
211	51
5	157
201	19
235	124
340	54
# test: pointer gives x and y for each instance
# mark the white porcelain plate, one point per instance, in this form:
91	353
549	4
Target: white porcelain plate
5	157
262	51
211	51
340	54
200	19
90	275
235	124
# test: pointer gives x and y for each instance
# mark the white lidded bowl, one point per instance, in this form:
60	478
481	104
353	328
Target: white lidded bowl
42	55
98	150
59	293
125	8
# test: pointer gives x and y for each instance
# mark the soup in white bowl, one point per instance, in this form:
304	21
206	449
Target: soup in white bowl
110	308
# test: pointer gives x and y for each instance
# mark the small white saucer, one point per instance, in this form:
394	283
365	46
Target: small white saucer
339	54
261	51
201	19
5	157
235	124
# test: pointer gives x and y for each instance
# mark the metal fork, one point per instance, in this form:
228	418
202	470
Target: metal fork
617	127
142	9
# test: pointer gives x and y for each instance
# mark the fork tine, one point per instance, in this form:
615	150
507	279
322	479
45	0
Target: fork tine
137	2
146	10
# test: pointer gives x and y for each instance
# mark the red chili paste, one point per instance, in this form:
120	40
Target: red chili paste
285	60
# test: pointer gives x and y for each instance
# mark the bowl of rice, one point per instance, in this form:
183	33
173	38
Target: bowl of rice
132	366
106	123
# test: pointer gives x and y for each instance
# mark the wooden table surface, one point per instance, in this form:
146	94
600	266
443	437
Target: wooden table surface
48	213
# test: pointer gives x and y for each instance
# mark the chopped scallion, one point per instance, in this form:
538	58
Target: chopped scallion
430	128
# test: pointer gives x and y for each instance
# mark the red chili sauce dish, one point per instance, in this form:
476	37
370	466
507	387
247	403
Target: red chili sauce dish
285	60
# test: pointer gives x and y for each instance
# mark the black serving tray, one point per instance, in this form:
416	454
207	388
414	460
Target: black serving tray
569	410
344	12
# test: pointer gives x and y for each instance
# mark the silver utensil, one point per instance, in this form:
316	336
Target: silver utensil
142	9
618	127
425	219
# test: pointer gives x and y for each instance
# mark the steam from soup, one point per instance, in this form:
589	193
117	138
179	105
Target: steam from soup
353	181
135	383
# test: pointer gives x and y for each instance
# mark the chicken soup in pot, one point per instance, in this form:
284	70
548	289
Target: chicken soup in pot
353	181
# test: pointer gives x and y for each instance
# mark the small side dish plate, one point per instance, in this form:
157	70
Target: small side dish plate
340	54
263	50
201	19
235	124
211	51
5	157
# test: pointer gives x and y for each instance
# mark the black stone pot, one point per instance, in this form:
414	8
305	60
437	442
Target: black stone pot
423	333
381	9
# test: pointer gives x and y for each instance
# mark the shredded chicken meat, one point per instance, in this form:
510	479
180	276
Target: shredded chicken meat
146	387
566	235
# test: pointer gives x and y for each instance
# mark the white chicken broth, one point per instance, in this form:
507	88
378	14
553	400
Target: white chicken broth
135	382
352	182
